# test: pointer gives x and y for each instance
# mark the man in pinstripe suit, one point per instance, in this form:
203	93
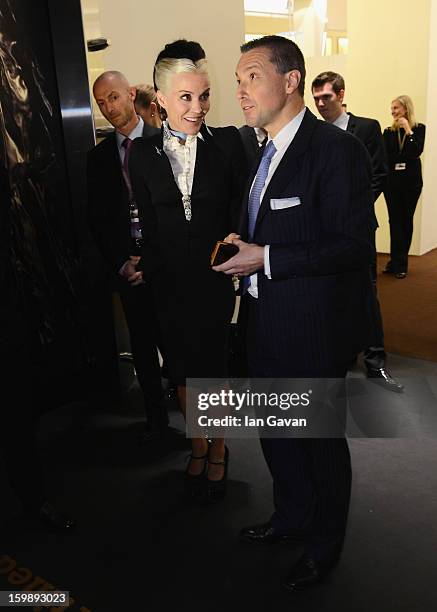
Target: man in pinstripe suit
304	257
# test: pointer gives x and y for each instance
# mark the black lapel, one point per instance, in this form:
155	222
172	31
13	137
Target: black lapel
159	163
254	139
203	151
352	124
114	162
113	154
290	163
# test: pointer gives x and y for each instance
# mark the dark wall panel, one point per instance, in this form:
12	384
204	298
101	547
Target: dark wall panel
43	207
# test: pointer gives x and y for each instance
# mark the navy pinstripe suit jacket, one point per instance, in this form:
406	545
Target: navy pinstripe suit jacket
309	317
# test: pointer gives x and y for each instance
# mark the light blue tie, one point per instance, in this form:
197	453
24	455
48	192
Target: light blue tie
255	199
258	184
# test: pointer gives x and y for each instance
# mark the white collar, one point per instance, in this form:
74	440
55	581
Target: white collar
288	132
137	132
342	121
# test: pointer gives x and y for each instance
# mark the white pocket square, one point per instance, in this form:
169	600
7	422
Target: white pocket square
282	203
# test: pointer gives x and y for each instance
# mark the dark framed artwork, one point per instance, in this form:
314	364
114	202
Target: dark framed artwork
43	242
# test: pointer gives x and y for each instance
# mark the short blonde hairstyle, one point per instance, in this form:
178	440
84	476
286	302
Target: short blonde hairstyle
167	67
145	95
407	103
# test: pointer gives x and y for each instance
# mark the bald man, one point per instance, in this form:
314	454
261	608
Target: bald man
118	233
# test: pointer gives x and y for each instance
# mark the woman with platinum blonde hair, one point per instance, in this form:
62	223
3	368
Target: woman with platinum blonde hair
404	141
188	183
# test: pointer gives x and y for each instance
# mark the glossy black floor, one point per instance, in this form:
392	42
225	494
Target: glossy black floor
140	545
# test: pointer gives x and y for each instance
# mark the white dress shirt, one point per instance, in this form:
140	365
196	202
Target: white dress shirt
342	121
282	141
137	132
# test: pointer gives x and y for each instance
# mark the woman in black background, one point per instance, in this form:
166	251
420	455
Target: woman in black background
188	182
404	142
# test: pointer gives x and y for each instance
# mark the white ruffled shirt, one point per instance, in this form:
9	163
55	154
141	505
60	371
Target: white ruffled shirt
182	158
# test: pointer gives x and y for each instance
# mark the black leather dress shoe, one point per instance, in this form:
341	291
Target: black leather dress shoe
50	517
400	275
382	376
267	534
304	574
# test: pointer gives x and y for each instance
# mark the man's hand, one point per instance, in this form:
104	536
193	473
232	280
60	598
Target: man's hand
246	262
128	271
231	237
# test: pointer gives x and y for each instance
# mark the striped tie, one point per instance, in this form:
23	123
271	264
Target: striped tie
260	179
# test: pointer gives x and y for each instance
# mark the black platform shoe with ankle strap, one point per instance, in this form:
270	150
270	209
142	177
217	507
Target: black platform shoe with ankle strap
195	483
216	489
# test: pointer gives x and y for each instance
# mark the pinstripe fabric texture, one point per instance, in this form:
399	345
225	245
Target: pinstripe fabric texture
309	317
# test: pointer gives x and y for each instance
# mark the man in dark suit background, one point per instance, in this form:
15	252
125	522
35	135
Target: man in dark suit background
115	226
305	249
253	139
328	92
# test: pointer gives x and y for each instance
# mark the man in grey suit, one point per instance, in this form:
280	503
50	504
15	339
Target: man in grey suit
304	254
